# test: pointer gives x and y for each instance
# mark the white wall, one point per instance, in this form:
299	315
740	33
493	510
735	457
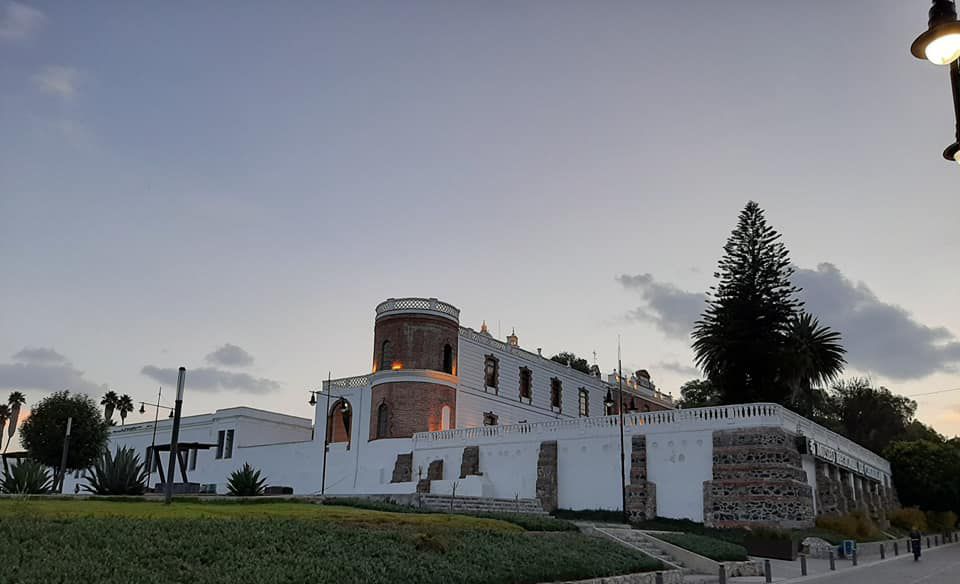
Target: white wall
679	462
587	472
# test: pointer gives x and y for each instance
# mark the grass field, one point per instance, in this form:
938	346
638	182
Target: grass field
120	542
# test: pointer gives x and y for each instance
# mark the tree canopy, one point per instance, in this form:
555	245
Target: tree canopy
43	432
698	393
754	342
575	362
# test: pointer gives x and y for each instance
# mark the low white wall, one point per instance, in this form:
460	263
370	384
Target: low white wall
588	471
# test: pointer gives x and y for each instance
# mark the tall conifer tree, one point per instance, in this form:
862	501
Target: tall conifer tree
739	339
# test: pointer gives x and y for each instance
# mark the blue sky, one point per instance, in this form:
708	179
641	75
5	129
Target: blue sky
175	178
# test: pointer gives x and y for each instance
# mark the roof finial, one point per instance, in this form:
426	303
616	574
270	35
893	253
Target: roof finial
483	329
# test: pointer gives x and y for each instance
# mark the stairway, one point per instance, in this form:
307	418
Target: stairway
481	505
636	540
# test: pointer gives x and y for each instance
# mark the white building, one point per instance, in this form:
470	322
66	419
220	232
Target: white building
448	408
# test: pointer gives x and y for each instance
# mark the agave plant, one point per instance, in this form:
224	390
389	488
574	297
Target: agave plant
119	474
246	482
29	477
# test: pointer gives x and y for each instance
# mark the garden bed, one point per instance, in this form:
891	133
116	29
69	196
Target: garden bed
708	547
120	542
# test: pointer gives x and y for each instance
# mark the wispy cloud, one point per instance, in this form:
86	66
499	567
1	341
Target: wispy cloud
211	379
19	22
678	368
58	80
880	337
669	308
39	355
230	355
44	369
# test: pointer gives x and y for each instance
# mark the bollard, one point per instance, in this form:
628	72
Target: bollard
928	542
659	577
936	540
896	548
803	565
833	561
767	576
883	551
723	574
854	555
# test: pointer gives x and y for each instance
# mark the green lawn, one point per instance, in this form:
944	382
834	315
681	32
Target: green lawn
146	542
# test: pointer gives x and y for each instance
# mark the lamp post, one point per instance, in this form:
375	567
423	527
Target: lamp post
940	44
63	456
609	403
175	435
156	418
326	432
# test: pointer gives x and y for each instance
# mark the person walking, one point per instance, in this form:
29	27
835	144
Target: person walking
915	536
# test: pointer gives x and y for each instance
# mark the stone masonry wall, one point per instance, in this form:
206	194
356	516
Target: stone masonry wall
641	493
758	480
470	462
547	476
403	469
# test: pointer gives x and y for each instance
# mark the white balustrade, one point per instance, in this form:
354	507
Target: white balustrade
418	304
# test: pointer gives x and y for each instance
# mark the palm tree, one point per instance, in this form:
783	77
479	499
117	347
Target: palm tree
109	403
4	416
813	358
124	406
15	400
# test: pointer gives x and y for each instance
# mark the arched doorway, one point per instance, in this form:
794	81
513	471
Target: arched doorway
339	421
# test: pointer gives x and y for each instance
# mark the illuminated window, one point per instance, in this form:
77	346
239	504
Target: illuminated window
556	393
445	418
385	358
526	383
382	420
491	372
448	359
584	402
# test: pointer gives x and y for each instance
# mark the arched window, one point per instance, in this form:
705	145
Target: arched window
491	371
448	359
339	422
383	413
584	402
385	358
445	418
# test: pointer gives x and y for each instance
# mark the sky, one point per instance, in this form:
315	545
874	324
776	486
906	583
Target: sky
233	186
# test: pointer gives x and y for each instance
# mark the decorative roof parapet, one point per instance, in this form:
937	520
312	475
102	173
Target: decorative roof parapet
418	305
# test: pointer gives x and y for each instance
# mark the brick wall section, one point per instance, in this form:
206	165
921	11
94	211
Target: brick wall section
412	406
470	462
758	480
641	493
547	476
336	423
416	341
403	468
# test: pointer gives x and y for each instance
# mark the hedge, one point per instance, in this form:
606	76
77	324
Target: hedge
715	549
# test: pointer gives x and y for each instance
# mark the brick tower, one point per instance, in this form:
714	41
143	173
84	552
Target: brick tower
414	383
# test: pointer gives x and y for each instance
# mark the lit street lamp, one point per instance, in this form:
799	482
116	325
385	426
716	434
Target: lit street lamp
940	44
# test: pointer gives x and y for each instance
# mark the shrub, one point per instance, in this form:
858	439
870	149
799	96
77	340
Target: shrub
715	549
771	533
941	520
907	518
119	474
856	525
246	482
28	477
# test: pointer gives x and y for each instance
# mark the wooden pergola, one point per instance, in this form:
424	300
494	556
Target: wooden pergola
183	452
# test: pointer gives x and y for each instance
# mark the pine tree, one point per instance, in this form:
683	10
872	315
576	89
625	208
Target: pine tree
739	339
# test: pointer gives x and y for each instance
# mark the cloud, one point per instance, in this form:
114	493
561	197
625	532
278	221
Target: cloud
678	368
880	337
44	369
669	308
19	22
40	355
230	356
211	379
58	81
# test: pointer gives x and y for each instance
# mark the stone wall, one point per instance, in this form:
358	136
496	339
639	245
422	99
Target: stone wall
547	476
830	499
758	479
641	493
403	469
